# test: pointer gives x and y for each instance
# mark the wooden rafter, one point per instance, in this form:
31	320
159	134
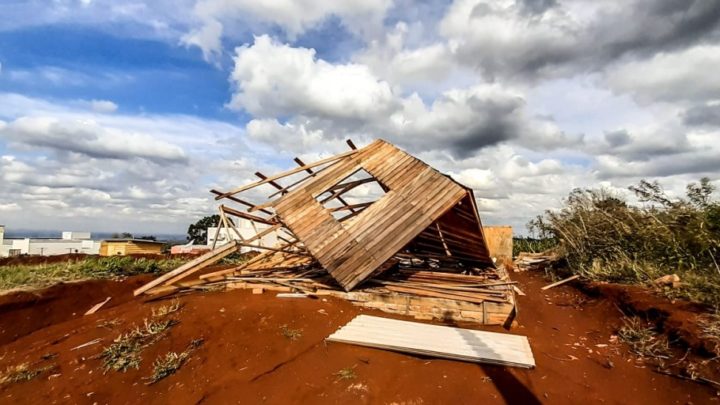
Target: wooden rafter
285	174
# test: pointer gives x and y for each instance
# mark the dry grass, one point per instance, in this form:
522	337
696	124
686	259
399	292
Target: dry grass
22	372
124	352
109	323
165	310
603	237
710	327
347	373
644	340
170	363
292	334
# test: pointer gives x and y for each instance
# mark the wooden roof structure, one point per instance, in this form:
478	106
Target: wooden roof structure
422	211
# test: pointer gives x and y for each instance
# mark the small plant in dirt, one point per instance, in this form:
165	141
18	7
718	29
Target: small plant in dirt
347	373
124	352
644	340
165	310
171	362
292	334
710	327
109	323
22	372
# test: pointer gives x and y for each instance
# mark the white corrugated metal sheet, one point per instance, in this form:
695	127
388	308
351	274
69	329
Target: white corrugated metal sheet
438	341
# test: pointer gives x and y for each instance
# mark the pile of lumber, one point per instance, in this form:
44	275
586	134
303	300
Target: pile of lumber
534	261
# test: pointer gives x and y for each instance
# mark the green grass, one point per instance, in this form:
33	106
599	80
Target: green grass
43	275
532	245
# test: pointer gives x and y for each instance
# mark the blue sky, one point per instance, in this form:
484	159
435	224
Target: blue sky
121	116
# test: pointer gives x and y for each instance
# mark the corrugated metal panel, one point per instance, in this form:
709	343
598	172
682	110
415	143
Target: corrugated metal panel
437	341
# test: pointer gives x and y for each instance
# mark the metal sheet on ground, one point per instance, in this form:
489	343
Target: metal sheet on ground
438	341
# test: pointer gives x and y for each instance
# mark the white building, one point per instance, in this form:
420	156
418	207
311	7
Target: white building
71	242
247	229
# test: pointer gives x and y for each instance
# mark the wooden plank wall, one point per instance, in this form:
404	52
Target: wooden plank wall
418	195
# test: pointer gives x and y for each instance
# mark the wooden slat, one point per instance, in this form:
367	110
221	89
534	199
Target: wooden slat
437	341
192	266
286	173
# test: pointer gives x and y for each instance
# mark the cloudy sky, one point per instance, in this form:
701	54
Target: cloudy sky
120	116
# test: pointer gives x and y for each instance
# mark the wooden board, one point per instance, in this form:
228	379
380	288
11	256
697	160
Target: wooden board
190	267
499	242
438	341
351	251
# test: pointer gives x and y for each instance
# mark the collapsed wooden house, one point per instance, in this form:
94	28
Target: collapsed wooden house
418	249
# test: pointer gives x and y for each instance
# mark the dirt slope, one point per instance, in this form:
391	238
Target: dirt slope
247	359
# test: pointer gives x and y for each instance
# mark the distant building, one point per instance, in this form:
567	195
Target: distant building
123	247
189	248
247	229
70	242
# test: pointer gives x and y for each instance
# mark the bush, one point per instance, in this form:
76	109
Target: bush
602	237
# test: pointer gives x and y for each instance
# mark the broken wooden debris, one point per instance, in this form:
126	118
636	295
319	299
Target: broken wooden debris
90	343
561	282
97	306
422	239
437	341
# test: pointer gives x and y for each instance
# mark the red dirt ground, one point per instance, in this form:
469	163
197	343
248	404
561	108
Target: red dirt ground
246	358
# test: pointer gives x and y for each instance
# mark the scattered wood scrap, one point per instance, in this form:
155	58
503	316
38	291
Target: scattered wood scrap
534	261
561	282
437	341
97	306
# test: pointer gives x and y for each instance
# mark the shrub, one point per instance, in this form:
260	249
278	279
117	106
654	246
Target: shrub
603	237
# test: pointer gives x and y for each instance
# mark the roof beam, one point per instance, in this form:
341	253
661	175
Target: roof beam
285	174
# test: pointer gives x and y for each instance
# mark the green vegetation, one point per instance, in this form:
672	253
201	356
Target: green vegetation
124	352
171	362
532	245
198	231
45	274
603	237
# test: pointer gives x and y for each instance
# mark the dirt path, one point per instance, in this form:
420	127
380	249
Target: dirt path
246	358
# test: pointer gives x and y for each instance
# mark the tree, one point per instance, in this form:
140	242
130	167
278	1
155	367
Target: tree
124	235
197	232
147	237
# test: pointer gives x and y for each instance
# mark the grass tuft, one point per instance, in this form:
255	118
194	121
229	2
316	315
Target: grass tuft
165	310
171	362
124	352
643	340
710	327
292	334
22	372
347	373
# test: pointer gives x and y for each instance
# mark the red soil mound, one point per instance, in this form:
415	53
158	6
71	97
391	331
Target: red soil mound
247	358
